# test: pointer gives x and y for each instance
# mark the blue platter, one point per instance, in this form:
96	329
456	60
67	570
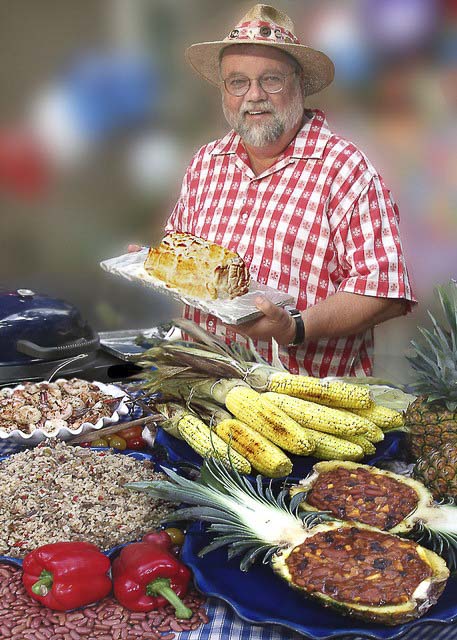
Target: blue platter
111	553
258	596
174	451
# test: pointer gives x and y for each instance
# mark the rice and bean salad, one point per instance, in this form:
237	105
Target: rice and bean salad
58	492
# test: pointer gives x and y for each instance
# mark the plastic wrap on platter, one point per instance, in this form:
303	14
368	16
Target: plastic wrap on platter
235	311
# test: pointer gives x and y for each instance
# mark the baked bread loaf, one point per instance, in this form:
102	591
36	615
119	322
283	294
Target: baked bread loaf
197	267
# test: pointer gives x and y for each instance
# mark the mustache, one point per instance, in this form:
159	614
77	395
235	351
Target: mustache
264	105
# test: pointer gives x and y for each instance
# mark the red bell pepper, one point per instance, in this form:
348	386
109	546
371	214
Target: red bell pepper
66	575
147	576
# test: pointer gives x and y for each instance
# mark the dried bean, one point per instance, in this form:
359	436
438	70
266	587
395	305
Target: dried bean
105	621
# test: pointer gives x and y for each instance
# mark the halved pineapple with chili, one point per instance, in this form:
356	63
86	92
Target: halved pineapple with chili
356	569
382	499
363	572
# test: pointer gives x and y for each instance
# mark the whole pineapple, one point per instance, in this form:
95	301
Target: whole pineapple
432	418
438	471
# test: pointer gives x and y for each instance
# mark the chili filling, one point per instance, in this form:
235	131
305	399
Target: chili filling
356	566
365	496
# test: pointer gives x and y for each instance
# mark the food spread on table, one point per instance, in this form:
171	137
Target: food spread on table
91	525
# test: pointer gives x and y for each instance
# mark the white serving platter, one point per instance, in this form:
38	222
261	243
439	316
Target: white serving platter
65	433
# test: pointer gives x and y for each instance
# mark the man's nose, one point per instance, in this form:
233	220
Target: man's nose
255	91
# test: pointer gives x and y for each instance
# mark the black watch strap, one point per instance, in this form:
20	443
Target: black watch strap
299	327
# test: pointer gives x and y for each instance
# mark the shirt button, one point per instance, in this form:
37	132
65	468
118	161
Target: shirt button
245	216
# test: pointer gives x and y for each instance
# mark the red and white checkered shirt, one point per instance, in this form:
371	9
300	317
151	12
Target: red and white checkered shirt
320	220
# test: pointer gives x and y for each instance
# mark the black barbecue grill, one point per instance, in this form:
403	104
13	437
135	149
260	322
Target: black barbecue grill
41	336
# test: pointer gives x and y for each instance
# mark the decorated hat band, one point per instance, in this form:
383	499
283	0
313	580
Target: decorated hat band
266	31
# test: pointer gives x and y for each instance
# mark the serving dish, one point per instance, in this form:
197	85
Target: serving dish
113	551
258	596
65	433
177	451
235	311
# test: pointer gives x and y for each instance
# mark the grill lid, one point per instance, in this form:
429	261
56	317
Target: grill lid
35	327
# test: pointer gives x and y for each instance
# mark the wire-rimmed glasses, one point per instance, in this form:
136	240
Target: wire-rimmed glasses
238	85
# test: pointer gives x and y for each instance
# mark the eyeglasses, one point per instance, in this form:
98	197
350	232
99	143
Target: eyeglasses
270	83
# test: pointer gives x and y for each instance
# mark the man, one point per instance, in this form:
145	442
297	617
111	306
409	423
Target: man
304	208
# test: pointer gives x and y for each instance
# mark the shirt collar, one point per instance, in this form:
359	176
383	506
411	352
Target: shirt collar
309	142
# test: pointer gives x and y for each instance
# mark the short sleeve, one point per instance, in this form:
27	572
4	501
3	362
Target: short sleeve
369	249
178	218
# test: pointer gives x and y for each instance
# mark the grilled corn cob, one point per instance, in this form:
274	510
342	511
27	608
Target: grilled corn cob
264	456
374	433
263	416
330	447
207	443
330	393
368	447
382	416
316	416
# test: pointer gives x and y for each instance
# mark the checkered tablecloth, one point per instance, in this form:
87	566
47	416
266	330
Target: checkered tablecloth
224	624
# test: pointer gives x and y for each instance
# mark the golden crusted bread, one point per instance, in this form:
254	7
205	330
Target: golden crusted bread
197	267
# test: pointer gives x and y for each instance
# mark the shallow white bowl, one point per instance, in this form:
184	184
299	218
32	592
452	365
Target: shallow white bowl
65	433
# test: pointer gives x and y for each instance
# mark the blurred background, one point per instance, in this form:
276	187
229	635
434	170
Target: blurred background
99	116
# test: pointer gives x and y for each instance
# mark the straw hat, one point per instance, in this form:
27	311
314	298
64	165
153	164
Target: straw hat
264	25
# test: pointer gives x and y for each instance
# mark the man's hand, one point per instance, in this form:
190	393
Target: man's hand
275	323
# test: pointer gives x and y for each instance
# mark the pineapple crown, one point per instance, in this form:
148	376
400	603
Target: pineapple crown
246	518
435	360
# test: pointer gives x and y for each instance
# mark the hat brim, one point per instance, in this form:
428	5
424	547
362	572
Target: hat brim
318	69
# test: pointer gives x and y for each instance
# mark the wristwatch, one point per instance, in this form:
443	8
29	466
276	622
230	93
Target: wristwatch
299	327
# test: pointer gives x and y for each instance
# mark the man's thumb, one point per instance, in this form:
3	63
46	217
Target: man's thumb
267	308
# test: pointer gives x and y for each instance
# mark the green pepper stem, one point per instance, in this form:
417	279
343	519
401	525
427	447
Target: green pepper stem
43	586
161	587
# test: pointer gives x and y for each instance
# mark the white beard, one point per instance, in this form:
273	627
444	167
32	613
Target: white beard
262	134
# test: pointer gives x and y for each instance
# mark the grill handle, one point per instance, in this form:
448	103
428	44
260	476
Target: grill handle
82	345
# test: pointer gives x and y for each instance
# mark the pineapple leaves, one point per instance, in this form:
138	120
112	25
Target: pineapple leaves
449	307
206	514
443	543
296	500
435	361
246	517
249	558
